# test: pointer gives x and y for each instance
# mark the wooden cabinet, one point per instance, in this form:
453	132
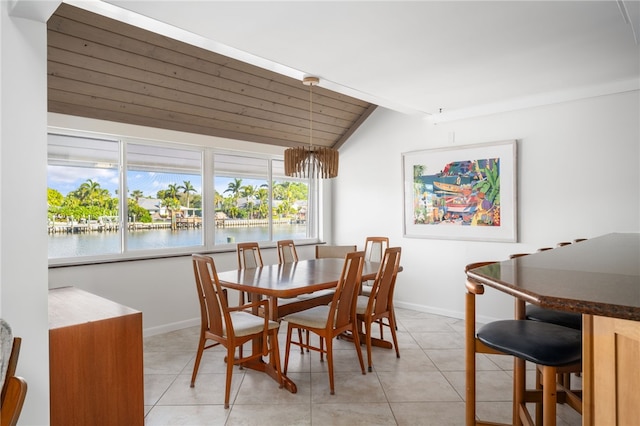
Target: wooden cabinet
96	360
612	390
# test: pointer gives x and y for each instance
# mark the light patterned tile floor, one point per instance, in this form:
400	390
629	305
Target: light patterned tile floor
423	387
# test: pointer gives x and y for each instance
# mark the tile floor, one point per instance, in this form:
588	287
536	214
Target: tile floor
423	387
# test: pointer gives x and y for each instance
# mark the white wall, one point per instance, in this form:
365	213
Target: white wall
578	177
162	289
23	240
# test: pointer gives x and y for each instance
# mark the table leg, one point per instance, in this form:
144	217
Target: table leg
260	364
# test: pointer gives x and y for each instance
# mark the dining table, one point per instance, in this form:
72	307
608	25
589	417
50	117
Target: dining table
599	278
287	281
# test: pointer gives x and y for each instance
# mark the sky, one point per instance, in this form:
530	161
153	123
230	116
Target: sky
66	179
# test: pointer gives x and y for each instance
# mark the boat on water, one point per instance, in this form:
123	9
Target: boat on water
461	204
449	187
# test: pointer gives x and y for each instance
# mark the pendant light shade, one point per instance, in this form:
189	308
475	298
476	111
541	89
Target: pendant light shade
311	161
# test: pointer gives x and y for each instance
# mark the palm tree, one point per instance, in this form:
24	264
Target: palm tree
186	189
172	191
234	188
217	200
249	192
137	194
87	190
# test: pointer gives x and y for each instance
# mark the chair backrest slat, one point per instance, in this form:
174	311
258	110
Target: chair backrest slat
249	255
383	286
374	248
343	306
287	251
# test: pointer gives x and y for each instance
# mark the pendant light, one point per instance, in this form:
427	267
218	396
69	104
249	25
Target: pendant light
311	161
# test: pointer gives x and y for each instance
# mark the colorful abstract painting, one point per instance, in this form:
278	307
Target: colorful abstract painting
466	187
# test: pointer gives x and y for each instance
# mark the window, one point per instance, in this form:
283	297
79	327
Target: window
167	198
248	208
164	196
83	206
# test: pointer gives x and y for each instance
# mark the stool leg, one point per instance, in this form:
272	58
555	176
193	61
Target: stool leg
549	395
519	386
539	404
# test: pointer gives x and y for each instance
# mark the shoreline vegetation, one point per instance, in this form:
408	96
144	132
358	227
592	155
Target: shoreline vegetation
91	208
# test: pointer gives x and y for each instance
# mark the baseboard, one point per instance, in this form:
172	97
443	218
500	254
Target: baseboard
166	328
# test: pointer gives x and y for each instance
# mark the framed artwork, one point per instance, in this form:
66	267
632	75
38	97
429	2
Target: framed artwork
463	193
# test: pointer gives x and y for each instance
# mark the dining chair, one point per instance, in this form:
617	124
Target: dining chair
333	251
286	251
554	349
329	321
249	256
230	327
14	388
374	248
379	304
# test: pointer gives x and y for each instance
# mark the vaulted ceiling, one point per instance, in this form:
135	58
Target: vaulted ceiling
234	68
102	68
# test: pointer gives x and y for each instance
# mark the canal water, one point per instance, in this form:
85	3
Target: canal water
63	245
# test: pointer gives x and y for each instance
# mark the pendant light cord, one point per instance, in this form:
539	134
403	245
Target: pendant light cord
311	115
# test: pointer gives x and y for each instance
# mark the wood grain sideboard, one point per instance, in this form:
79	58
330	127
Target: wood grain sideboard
95	360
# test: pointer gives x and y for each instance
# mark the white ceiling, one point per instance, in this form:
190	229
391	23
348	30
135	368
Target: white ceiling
418	56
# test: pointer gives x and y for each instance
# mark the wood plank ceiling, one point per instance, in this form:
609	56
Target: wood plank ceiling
105	69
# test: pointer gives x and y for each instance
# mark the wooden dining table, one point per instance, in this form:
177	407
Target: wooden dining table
599	278
287	281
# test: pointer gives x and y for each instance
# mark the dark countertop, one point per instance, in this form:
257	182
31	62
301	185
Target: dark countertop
599	276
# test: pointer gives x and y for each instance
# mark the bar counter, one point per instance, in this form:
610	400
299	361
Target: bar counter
600	278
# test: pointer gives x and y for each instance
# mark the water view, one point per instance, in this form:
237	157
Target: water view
66	245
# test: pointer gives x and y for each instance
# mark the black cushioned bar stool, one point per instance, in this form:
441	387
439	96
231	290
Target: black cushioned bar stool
551	316
554	349
549	346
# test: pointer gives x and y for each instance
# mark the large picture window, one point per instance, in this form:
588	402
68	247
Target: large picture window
111	198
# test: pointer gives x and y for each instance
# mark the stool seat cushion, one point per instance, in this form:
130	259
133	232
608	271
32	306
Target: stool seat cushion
538	342
566	319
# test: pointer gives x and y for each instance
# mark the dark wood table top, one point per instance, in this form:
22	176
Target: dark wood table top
599	276
291	279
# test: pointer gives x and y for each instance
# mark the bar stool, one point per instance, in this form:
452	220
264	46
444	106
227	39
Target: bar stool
553	348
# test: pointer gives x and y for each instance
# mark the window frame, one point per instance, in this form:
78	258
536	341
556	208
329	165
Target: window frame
208	173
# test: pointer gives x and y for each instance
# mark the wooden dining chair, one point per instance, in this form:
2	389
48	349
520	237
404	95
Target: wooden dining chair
14	388
374	248
286	251
552	348
230	327
329	321
333	251
249	256
378	305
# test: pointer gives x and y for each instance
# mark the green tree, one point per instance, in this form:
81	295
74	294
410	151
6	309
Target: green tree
186	189
137	194
54	198
248	192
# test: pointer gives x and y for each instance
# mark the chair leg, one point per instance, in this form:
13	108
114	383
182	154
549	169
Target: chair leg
367	336
227	389
330	362
287	349
300	339
356	341
394	336
196	365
